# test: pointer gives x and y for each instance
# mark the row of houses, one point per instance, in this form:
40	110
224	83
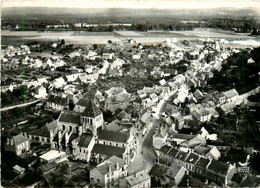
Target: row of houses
199	166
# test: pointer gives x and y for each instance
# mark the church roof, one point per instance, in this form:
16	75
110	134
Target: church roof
91	110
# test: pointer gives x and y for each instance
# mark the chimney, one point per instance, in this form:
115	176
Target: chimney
8	141
12	141
117	166
109	167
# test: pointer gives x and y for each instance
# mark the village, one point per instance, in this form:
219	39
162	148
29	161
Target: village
128	115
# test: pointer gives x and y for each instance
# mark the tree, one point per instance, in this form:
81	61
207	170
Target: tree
62	42
95	46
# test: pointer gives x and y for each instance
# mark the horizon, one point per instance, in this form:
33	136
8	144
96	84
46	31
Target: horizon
136	4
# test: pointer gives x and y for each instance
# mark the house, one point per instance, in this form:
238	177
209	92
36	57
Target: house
231	95
138	179
107	55
220	98
182	94
56	103
107	173
114	91
147	102
145	118
40	92
174	175
219	172
190	161
154	97
42	135
200	168
198	95
159	138
157	173
18	144
178	121
197	140
202	115
213	153
167	154
101	152
142	73
59	82
228	107
178	138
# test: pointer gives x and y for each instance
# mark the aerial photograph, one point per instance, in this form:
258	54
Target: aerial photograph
130	93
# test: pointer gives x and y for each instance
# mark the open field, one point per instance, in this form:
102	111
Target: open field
83	37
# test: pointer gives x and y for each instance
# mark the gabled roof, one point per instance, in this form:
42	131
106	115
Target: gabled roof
231	93
202	162
192	158
113	136
158	170
181	155
110	163
70	118
108	150
173	152
174	170
201	150
18	139
219	167
83	102
57	100
51	125
91	110
165	149
85	139
137	178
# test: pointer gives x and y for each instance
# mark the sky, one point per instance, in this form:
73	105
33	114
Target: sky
157	4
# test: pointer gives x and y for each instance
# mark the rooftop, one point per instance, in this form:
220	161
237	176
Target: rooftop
137	178
192	158
202	162
113	136
158	170
173	170
108	150
91	110
57	100
18	139
52	154
83	102
70	118
219	167
85	139
112	163
181	155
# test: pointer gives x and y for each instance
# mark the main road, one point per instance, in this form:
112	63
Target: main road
146	155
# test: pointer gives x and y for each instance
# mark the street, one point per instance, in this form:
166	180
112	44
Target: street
146	155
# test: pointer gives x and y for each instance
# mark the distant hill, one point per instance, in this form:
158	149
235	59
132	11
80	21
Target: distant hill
115	12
